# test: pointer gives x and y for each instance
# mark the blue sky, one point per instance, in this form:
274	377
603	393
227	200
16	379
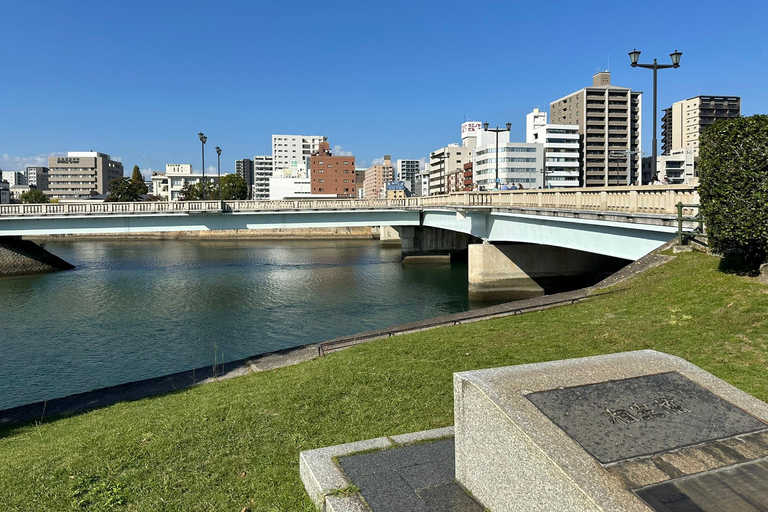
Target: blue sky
139	79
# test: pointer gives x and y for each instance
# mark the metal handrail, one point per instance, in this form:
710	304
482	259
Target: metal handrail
682	235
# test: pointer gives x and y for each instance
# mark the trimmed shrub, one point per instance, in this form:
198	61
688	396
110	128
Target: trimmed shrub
733	176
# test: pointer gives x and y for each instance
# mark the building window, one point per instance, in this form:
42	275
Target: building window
319	181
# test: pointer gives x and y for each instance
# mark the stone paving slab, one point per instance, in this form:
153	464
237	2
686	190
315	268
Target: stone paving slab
403	473
411	478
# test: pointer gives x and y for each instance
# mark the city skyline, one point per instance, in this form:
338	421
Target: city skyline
399	80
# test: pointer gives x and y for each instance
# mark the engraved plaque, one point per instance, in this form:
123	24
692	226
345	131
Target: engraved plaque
742	488
623	419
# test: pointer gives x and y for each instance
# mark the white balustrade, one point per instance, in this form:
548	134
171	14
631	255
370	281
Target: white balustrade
646	199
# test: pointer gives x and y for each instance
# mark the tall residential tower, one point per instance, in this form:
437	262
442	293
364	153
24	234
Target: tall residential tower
610	121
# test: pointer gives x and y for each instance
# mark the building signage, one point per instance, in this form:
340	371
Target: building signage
68	160
471	129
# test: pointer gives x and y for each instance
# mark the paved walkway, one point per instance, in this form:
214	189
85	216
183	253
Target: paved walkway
412	478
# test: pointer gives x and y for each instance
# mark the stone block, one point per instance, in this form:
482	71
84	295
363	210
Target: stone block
588	434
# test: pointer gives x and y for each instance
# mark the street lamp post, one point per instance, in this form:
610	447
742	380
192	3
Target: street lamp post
203	138
497	130
634	55
218	168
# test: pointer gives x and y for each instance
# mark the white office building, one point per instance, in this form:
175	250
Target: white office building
520	163
263	169
289	188
37	176
561	150
408	172
290	154
14	178
169	185
679	167
534	121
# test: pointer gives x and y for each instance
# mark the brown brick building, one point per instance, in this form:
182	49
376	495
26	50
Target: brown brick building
332	174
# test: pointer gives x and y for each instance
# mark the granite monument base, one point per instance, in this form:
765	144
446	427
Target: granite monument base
637	431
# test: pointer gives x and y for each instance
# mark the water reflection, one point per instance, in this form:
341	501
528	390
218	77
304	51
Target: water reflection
142	308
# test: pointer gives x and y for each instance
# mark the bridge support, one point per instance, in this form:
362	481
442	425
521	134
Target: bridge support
516	271
427	244
388	236
20	257
493	275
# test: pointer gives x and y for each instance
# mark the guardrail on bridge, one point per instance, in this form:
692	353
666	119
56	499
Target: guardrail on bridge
662	199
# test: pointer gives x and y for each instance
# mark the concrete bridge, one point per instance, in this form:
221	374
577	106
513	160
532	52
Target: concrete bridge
510	237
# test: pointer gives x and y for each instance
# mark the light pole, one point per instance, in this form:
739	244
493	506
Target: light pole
634	55
497	130
218	168
629	154
203	138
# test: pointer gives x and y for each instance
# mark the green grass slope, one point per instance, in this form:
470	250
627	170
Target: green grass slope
235	444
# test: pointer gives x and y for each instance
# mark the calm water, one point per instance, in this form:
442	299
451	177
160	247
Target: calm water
139	309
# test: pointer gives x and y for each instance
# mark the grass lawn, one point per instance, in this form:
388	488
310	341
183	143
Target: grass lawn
235	444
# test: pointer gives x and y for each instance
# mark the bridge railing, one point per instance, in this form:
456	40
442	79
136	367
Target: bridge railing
660	199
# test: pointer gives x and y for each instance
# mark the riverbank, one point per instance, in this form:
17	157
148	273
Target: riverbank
348	233
234	444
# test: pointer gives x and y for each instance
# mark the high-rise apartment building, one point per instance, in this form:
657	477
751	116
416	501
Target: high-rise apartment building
244	168
37	176
291	153
376	177
610	121
332	174
81	174
686	120
408	172
263	169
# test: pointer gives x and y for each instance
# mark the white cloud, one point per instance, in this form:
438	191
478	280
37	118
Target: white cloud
19	163
147	173
117	159
339	151
378	161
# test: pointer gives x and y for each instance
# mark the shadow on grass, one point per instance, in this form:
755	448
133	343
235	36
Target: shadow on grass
737	265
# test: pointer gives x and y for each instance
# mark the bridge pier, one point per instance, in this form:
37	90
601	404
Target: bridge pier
422	244
21	257
515	271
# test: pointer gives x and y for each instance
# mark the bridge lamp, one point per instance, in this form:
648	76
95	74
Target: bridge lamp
203	139
218	167
634	56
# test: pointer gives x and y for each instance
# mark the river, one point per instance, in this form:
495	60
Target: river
135	309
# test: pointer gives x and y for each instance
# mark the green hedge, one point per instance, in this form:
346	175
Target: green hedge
733	175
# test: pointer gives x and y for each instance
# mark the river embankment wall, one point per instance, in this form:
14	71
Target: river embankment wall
22	257
345	233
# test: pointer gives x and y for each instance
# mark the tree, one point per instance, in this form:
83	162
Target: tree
138	180
233	187
195	192
34	196
123	190
733	175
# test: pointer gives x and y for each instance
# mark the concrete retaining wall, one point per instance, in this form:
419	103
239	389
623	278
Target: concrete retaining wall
21	257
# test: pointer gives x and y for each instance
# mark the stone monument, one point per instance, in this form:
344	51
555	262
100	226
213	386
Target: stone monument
636	431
